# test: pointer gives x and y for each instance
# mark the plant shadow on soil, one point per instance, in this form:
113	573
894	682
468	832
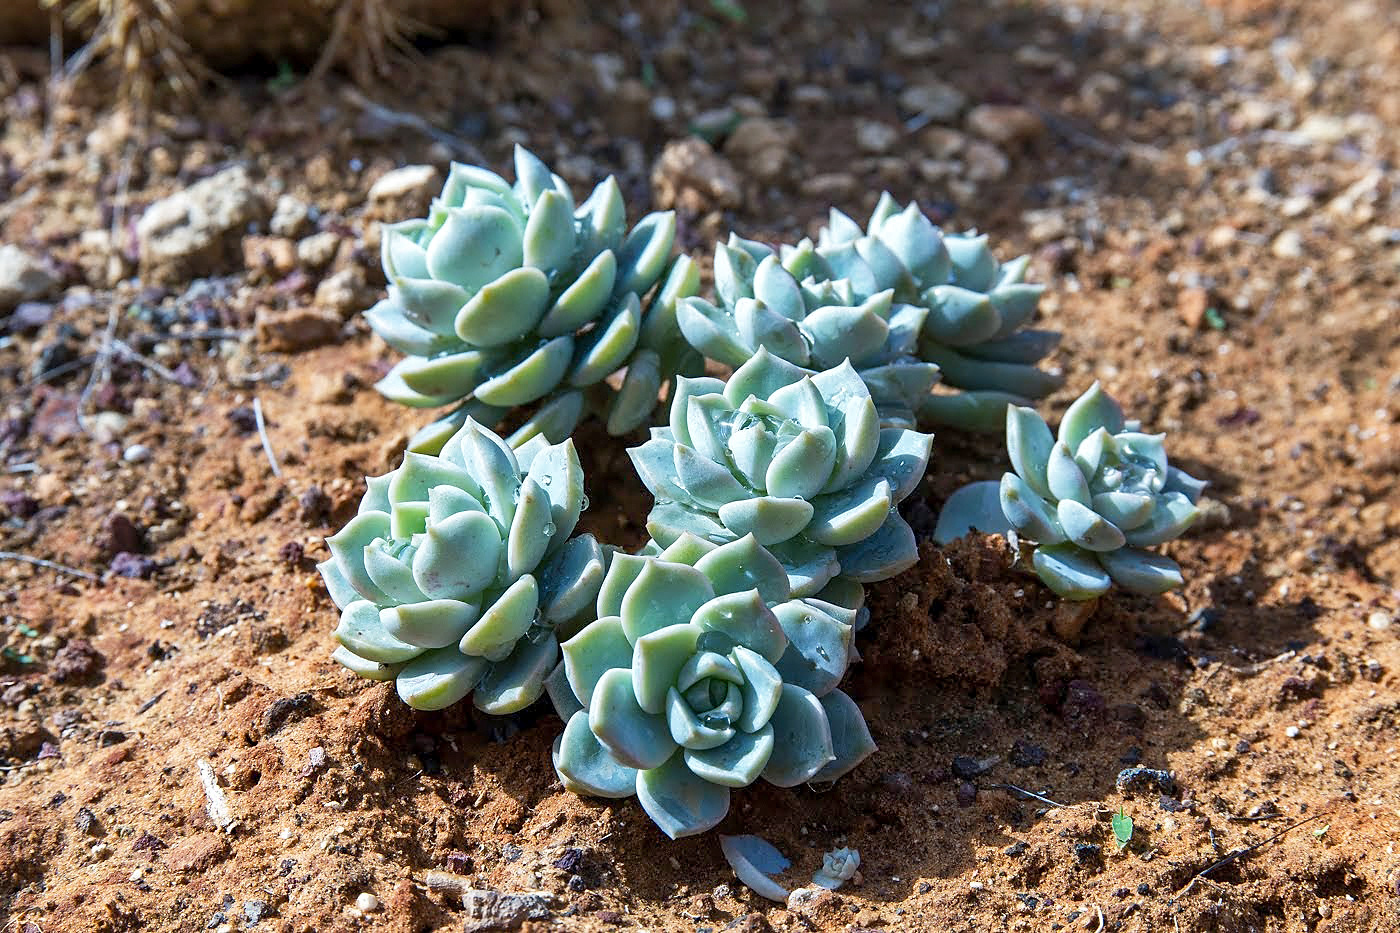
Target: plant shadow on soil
965	688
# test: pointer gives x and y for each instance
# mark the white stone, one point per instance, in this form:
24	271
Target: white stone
23	277
290	217
1380	621
403	182
367	902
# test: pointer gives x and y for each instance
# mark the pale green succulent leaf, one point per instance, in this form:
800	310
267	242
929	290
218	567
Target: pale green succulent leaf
1063	476
974	266
888	552
982	412
802	402
1127	510
809	566
661	596
529	376
554	421
657	659
687	729
635	400
1093	410
393	387
736	763
586	767
901	459
437	679
1087	528
712	331
364	667
1184	483
531	530
347	548
750	450
458	557
433	623
778	290
1174	513
801	466
761	376
801	738
475	246
569	579
339	588
644	253
706	482
974	507
598	648
761	689
606	348
557	470
757	325
1028	513
361	631
583	300
636	738
517	681
769	519
430	304
680	802
1070	571
400	253
851	514
744	565
1140	571
561	695
745	619
504	622
505	309
667	521
850	736
549	240
604	216
966	372
1028	445
819	647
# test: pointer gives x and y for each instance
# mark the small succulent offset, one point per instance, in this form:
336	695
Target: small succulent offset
509	295
1092	500
975	309
798	309
459	569
700	675
798	461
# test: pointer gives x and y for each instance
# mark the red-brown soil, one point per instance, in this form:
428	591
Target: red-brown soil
1210	193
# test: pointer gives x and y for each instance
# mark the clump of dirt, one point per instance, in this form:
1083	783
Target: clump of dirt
1211	199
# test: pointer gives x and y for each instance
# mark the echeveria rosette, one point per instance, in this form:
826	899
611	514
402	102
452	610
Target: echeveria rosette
702	675
459	574
796	309
508	295
798	460
976	309
1092	500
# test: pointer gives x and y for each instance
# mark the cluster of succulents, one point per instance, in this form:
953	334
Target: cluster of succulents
509	295
711	657
1091	499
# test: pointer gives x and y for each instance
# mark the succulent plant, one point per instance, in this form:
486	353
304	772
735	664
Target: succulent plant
702	674
797	309
1092	500
797	460
459	569
974	307
508	295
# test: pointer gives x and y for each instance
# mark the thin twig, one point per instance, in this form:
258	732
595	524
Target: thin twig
412	121
191	335
262	434
1026	793
1240	853
149	703
49	564
30	467
145	361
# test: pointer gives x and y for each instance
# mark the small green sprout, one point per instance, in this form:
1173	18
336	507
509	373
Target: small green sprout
1122	829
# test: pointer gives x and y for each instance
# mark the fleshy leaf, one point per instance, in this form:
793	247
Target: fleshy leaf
586	767
635	737
736	763
974	507
754	860
439	678
850	736
662	595
801	739
1070	572
678	801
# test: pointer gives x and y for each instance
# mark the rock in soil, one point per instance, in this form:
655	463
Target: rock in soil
197	231
23	277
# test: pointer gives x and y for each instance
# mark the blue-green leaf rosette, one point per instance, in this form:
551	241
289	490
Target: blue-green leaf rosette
1092	500
459	574
510	295
700	676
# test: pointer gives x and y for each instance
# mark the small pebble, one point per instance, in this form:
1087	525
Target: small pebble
367	902
1380	621
976	885
137	453
1292	732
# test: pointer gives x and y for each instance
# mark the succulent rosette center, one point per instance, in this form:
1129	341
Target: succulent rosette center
689	684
